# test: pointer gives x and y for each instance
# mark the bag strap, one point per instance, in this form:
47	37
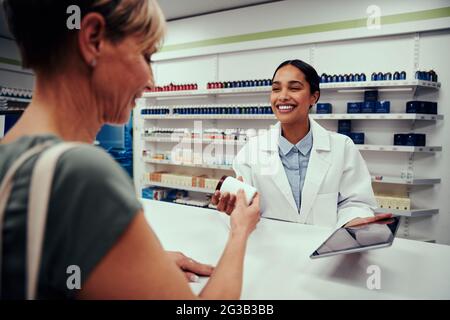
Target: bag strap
6	186
40	189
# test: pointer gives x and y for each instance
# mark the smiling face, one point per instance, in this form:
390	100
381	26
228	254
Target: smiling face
291	96
122	73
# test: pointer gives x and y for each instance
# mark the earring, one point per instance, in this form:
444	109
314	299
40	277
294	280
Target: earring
93	63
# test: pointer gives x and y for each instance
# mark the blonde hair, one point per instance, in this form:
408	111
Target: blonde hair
135	17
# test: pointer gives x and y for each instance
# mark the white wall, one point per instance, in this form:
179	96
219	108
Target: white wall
355	50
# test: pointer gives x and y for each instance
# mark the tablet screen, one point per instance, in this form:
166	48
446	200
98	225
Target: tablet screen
359	238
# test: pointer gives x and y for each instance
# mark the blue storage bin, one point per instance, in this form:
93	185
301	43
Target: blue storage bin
383	107
357	137
368	107
354	107
323	108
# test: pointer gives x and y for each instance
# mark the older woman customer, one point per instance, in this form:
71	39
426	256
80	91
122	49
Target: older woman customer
85	78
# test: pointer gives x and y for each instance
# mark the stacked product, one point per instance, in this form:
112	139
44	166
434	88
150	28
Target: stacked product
345	128
210	110
424	107
175	87
324	108
239	84
427	75
370	104
410	139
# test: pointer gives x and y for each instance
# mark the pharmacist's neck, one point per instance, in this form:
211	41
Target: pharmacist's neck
63	108
295	132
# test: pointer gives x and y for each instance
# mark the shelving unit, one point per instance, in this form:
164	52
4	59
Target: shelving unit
212	98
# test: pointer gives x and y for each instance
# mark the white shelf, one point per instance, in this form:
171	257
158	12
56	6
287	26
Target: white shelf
376	116
409	213
188	140
207	92
212	116
184	164
394	85
2	98
173	186
329	116
369	147
395	180
370	85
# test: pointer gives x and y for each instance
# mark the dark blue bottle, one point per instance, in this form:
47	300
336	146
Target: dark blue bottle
396	75
374	76
403	75
362	77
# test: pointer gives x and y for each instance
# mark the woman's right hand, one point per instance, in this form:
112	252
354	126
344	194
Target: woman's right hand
225	202
244	218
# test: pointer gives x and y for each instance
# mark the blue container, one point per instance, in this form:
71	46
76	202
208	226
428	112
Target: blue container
388	76
340	78
357	137
329	79
354	107
399	139
383	107
357	77
415	139
323	78
323	108
369	107
334	78
344	126
362	77
371	95
374	76
425	107
351	77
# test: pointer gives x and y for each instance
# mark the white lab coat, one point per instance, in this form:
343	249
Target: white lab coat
337	185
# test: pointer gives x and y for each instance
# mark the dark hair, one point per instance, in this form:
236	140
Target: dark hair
40	26
310	73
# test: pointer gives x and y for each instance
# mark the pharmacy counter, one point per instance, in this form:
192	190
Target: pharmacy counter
277	264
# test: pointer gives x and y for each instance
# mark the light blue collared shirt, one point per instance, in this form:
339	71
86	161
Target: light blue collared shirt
295	159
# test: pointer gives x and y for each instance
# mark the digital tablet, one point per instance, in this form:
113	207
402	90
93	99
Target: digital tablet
374	235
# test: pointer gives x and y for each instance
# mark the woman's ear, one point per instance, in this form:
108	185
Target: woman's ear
314	98
91	37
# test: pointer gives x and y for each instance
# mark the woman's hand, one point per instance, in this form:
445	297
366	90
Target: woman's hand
359	221
191	268
244	218
225	202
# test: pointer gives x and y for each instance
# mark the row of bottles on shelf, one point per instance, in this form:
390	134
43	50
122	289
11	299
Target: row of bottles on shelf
219	134
202	181
174	195
239	84
16	93
189	156
174	87
209	109
430	75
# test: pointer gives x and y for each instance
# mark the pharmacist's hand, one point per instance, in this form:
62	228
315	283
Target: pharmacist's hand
244	218
191	268
225	202
359	221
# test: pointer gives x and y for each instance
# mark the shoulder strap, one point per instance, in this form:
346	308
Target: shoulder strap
40	189
6	186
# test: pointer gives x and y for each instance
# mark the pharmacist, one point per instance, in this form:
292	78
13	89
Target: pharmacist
303	172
